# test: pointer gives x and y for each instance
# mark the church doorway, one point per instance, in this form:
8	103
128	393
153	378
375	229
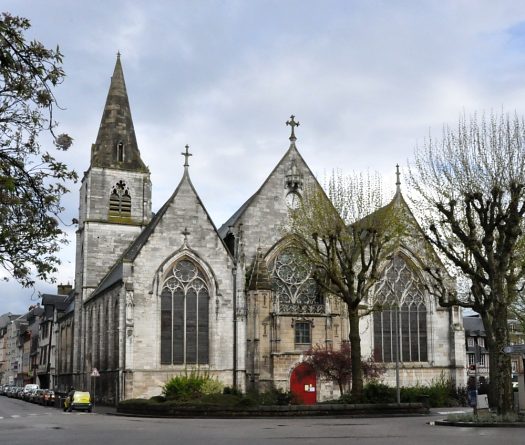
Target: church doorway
303	384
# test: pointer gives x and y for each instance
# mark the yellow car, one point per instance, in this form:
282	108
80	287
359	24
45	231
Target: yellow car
80	400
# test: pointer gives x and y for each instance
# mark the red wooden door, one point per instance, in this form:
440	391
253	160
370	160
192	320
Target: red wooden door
303	384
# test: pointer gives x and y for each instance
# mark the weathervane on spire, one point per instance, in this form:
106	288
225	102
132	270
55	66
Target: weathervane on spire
398	180
292	123
186	155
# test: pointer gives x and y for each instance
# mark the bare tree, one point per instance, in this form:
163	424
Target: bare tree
344	237
470	191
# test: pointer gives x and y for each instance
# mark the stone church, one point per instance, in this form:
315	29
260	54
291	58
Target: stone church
157	294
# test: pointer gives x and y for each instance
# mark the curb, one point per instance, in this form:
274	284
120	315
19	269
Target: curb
479	424
384	410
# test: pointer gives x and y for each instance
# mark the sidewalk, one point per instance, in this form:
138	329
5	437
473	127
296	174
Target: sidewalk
104	409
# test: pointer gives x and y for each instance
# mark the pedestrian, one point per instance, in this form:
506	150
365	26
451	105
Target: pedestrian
472	392
483	386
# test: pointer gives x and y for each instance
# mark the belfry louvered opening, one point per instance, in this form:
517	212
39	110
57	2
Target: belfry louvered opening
120	201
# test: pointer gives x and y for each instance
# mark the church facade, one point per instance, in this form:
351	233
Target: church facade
159	294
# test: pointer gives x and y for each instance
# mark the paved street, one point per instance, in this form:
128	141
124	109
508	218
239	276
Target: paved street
22	423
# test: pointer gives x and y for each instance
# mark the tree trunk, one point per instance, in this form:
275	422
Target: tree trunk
500	387
355	351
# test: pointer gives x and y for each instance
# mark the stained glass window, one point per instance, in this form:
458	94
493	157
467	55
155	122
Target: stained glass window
184	316
401	294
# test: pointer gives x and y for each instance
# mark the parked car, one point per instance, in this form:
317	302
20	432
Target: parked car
38	397
48	397
79	400
28	390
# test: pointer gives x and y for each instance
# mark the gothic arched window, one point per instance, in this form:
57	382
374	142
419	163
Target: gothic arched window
120	152
295	289
401	295
120	201
184	327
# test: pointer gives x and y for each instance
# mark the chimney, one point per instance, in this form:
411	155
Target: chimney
64	289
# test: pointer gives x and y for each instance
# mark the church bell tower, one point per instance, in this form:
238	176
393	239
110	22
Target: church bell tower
115	195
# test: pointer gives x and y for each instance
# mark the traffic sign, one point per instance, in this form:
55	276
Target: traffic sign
514	349
95	373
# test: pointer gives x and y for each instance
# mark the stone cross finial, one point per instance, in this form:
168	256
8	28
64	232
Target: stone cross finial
186	155
398	180
292	123
185	232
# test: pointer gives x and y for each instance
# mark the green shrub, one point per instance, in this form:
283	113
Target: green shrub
158	399
440	392
272	396
184	386
211	386
232	391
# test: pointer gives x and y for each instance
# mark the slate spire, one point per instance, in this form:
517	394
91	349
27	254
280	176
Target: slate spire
116	144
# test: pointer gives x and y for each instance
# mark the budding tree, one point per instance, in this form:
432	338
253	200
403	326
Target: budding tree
470	188
344	237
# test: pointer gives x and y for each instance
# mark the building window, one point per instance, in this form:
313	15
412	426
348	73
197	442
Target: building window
184	316
120	152
120	201
481	342
295	290
483	359
471	359
303	333
403	317
470	342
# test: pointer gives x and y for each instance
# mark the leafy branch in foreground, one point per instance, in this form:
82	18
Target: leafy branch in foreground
32	181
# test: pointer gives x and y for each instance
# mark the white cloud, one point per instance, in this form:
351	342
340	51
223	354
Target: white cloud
367	81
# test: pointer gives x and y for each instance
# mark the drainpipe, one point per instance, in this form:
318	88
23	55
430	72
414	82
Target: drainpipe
234	276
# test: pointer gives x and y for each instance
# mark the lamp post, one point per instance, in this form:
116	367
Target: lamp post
397	325
398	391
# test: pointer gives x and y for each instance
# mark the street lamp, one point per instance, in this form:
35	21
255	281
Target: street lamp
397	325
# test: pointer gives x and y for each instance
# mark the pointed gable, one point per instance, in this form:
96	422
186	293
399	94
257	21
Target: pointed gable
182	215
116	145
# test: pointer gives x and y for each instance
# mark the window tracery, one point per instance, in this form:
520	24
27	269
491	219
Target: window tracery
403	317
295	289
184	316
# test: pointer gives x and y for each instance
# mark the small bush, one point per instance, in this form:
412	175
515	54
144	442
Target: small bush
184	386
441	392
158	399
272	396
211	386
232	391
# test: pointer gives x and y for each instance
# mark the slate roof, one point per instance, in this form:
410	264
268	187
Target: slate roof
117	127
473	326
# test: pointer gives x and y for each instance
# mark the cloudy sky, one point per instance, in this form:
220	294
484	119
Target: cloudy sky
368	80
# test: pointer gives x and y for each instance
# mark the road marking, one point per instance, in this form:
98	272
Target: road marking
451	412
14	416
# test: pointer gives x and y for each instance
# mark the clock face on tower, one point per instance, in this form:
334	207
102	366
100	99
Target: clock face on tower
293	200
